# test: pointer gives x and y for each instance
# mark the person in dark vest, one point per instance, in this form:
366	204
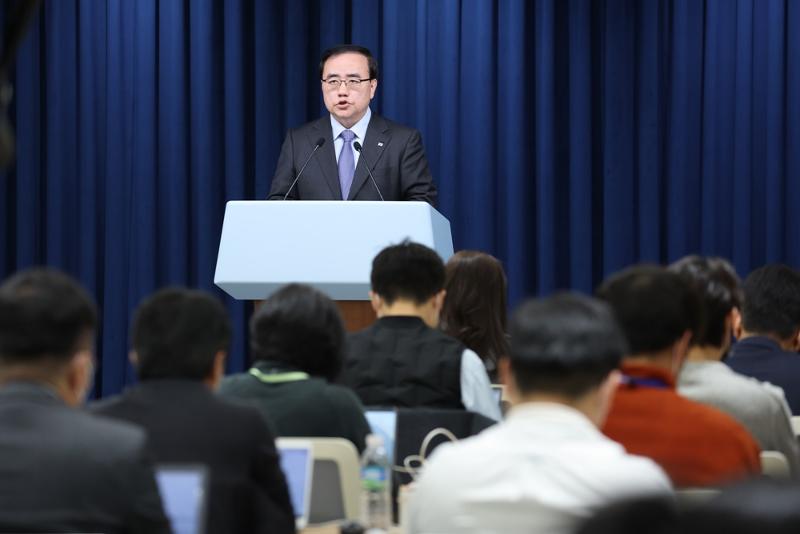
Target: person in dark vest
403	359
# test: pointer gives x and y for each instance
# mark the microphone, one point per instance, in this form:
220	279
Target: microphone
357	146
319	143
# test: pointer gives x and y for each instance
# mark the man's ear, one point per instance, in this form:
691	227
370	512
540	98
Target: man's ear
377	303
796	338
438	300
217	370
133	357
79	378
680	349
736	320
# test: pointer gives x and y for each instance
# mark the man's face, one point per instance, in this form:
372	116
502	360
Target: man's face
347	104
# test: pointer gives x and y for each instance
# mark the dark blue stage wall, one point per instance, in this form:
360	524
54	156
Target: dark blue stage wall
569	138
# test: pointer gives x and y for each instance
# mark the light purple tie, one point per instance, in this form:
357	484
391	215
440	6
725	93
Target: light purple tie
346	163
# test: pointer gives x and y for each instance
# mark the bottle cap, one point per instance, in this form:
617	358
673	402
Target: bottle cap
374	440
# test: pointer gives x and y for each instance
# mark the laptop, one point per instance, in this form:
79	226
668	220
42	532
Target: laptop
184	494
384	424
297	461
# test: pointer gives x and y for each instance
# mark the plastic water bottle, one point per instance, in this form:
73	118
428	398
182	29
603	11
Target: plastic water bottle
376	486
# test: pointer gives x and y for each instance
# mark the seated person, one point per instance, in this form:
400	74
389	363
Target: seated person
179	341
546	466
769	333
474	310
297	340
696	445
759	406
61	469
403	359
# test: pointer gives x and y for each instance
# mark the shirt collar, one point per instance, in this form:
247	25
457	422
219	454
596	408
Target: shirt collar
359	128
648	372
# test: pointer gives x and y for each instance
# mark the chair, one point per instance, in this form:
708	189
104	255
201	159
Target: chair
796	425
336	479
774	465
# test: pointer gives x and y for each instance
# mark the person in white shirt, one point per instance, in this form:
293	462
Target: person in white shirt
547	466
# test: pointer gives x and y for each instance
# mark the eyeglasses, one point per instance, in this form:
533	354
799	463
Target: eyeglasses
352	83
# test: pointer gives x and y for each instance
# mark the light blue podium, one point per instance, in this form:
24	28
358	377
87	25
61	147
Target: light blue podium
327	244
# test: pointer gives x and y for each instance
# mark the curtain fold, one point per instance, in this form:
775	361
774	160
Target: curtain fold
570	138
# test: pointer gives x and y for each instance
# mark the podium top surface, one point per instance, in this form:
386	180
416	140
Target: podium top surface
327	244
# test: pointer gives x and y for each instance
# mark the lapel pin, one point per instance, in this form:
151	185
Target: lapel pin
380	144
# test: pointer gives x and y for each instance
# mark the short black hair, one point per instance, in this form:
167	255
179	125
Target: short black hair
299	326
176	334
565	344
43	314
772	301
653	306
719	290
338	50
408	271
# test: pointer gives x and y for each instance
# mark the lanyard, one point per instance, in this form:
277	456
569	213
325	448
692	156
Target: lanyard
278	378
644	382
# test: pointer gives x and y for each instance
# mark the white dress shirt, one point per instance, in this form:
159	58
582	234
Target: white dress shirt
359	128
542	470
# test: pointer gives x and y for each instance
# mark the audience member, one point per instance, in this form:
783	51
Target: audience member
697	445
759	406
63	470
474	310
769	334
297	341
180	340
547	465
403	359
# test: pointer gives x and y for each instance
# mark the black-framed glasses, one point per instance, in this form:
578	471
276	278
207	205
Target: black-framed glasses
351	83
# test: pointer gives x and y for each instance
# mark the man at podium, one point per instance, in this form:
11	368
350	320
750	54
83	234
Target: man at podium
322	160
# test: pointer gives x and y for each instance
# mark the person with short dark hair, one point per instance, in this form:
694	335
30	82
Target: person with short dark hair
394	153
697	445
297	343
759	406
769	333
63	470
474	310
403	359
179	343
547	465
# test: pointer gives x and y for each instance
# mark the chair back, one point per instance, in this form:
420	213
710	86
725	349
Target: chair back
336	478
774	465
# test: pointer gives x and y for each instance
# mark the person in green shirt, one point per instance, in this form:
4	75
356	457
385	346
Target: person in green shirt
297	343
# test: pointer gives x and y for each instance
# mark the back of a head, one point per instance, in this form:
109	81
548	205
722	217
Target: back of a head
653	306
718	289
475	306
566	344
44	315
407	271
772	301
177	333
301	327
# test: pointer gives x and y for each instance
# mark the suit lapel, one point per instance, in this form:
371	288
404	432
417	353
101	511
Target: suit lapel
326	159
375	143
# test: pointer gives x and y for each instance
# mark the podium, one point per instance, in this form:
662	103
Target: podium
329	245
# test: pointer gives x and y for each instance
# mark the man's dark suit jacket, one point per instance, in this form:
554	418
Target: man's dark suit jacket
187	423
63	470
763	358
393	151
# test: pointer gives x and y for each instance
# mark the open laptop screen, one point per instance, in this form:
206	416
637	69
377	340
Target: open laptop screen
384	424
183	494
296	462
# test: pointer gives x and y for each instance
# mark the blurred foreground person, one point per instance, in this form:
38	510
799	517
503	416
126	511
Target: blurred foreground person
547	465
180	340
63	470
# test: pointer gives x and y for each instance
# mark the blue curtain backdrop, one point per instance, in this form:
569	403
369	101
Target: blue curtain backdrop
569	138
